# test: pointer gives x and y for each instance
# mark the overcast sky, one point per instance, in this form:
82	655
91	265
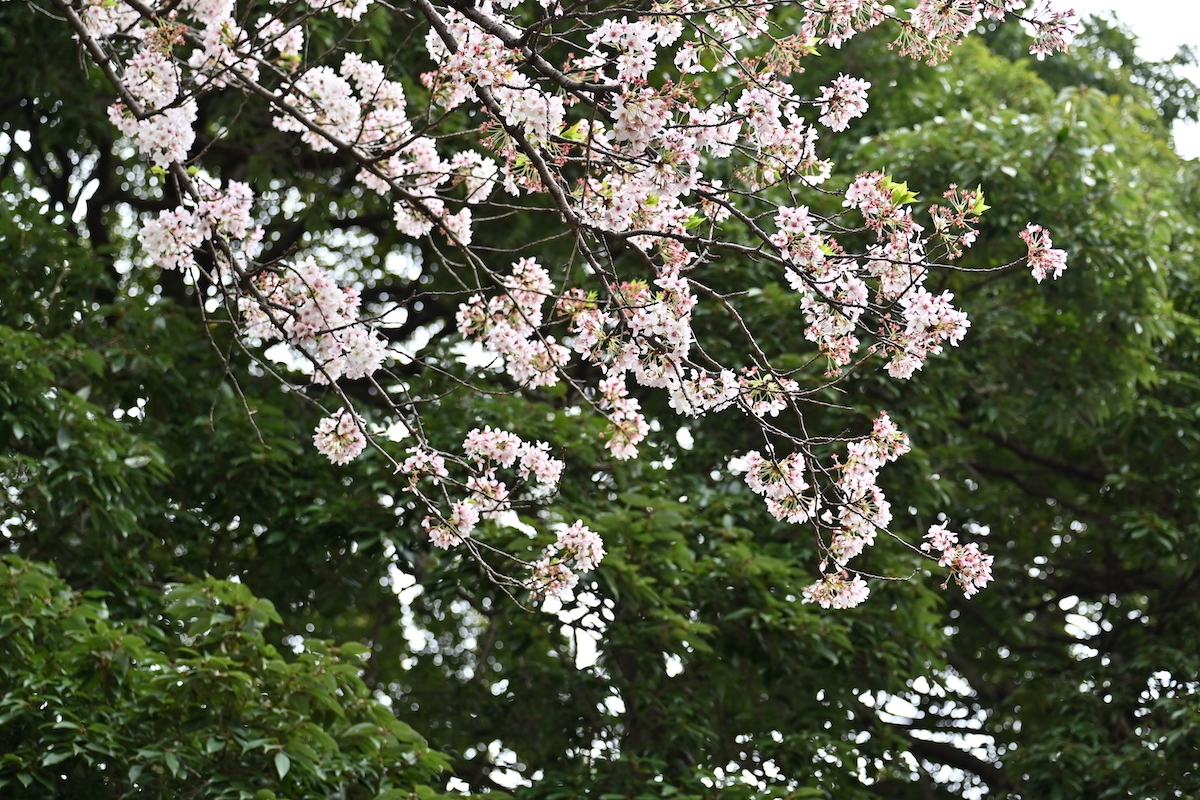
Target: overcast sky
1161	27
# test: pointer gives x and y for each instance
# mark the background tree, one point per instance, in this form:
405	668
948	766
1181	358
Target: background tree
138	456
191	702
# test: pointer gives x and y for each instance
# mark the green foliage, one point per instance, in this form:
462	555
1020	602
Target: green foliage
188	702
1104	57
140	448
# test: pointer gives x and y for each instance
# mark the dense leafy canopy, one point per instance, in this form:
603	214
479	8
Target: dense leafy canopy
191	702
143	450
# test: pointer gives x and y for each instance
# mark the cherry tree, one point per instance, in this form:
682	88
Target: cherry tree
655	139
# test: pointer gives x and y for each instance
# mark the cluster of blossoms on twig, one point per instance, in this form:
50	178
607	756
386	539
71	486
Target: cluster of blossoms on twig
610	118
303	306
968	566
1044	260
853	510
340	438
488	493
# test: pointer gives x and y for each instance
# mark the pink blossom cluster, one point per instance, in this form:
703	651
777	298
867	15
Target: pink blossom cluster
898	264
940	25
475	59
639	116
535	465
360	108
1052	30
782	485
422	462
171	239
552	578
861	510
576	548
735	26
844	100
226	56
152	78
647	200
286	40
879	200
480	62
227	211
865	510
621	147
540	471
925	321
837	590
626	425
833	296
859	518
303	306
1043	258
659	326
936	26
373	119
955	223
492	445
508	326
165	136
455	527
786	145
765	393
797	240
702	391
488	450
104	19
929	320
968	566
346	9
339	437
476	172
488	497
835	21
579	544
636	43
648	335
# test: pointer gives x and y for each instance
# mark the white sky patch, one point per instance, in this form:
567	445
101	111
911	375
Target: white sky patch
685	438
1162	27
510	519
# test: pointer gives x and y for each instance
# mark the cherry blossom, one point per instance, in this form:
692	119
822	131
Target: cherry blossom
843	101
1043	259
606	124
552	578
339	437
171	240
969	567
837	590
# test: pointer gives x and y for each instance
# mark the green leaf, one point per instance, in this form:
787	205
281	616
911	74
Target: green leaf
361	729
901	194
978	207
354	649
282	764
576	132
